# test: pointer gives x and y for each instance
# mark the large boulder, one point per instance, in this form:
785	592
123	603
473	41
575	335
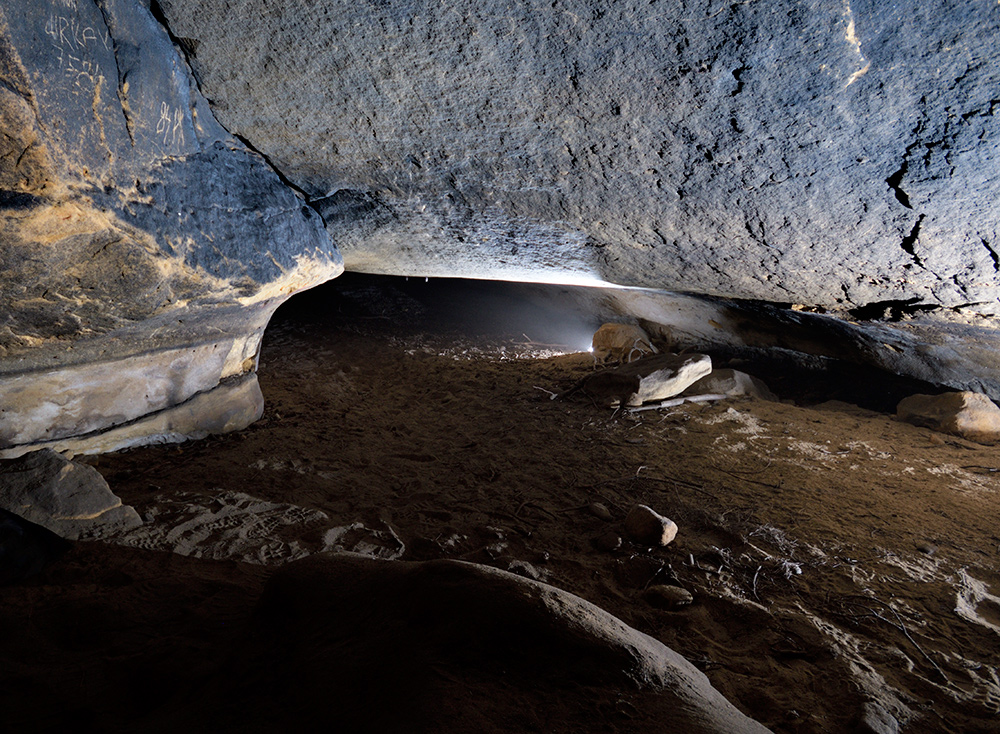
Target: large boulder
447	646
142	247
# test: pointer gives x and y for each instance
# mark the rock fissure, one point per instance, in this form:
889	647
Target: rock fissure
122	85
909	241
993	255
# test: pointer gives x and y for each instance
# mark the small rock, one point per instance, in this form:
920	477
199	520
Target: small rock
928	548
600	511
967	414
662	596
608	541
647	527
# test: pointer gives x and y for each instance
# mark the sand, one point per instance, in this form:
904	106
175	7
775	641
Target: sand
835	555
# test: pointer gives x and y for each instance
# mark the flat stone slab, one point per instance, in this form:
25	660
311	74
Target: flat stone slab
231	406
665	375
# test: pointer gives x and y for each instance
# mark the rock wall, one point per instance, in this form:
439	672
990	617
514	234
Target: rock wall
142	247
840	155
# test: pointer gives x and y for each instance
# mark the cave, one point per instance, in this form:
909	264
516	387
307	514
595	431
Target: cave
553	366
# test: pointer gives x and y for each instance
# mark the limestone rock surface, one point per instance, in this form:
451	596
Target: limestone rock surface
68	498
836	155
142	247
450	646
967	414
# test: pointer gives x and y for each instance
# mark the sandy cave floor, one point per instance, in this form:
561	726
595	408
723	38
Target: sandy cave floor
835	555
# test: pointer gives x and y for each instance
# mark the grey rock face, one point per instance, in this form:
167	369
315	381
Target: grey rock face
70	499
136	235
838	155
732	383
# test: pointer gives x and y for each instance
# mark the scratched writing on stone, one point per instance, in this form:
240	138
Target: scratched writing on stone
171	124
71	40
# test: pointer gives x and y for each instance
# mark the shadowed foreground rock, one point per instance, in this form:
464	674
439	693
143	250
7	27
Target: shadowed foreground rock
386	646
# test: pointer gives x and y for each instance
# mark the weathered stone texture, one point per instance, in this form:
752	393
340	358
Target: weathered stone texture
70	499
132	225
832	154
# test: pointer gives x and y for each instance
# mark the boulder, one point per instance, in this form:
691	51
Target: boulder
621	343
68	498
143	247
447	646
967	414
647	527
732	383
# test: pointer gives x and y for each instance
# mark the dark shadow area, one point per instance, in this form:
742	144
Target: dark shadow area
503	314
492	311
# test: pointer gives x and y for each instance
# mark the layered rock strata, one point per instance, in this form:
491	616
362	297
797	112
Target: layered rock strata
142	247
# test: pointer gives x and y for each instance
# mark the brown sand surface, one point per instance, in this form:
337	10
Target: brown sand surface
835	555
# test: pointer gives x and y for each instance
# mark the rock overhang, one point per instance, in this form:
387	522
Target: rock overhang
781	152
143	247
768	155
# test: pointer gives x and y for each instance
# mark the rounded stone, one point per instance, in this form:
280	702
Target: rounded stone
600	511
663	596
647	527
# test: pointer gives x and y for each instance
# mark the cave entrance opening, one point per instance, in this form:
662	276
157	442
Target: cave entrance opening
514	320
490	317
